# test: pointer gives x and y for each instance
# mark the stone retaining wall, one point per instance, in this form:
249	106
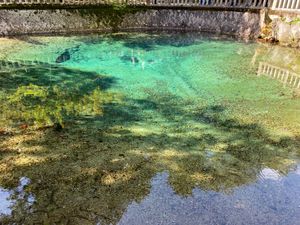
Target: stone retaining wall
31	21
286	29
281	27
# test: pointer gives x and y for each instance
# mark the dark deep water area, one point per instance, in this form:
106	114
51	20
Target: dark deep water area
148	128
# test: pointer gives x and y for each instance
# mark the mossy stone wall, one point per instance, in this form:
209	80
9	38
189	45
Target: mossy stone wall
244	24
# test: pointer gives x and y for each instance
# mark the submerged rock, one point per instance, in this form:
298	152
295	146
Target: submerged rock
65	56
58	127
129	58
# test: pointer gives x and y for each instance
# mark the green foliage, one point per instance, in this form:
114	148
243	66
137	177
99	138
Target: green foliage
292	21
295	21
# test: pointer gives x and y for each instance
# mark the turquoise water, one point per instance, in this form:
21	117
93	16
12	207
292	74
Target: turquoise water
154	128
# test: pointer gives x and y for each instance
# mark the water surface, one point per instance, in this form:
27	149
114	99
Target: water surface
152	128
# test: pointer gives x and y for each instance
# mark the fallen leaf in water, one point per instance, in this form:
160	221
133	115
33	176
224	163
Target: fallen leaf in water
23	126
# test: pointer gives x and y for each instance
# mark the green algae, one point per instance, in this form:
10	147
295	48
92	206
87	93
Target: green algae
112	14
43	106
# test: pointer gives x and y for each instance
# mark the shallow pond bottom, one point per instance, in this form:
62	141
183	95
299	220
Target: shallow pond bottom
152	128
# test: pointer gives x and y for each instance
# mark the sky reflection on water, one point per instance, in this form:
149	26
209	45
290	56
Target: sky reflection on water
269	200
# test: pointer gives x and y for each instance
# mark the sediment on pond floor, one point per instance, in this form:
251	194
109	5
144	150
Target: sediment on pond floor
84	138
111	165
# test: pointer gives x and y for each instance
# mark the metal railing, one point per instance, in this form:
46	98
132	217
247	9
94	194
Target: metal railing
192	3
286	5
252	4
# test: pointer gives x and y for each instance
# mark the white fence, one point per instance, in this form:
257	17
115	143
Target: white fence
255	4
192	3
286	4
285	76
72	2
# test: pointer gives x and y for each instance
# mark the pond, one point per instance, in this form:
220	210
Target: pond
148	128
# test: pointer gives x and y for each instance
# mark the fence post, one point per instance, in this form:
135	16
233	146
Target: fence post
298	4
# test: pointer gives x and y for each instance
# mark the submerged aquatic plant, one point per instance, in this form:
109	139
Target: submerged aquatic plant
44	106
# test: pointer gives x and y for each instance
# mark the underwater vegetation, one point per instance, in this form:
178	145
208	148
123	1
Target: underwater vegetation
42	106
52	104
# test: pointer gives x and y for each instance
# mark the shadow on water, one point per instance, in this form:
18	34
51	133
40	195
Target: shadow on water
109	149
151	40
92	169
28	40
49	95
168	39
14	74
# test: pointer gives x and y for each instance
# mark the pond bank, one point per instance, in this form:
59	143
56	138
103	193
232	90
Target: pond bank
282	28
51	21
270	26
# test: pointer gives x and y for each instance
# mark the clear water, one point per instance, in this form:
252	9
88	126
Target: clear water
148	128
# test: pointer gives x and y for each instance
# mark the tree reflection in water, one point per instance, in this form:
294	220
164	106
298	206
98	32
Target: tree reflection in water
109	150
91	171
